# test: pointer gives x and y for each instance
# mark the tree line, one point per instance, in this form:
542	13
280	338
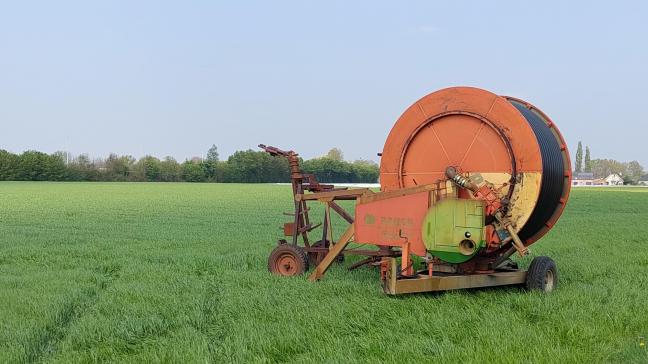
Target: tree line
241	167
631	172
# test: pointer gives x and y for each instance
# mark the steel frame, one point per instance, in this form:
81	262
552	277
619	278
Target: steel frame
480	272
306	188
434	281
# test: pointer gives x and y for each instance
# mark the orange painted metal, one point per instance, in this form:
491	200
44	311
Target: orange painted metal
289	229
393	222
466	127
487	140
474	130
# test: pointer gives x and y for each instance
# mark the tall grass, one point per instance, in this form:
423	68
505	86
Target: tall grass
177	273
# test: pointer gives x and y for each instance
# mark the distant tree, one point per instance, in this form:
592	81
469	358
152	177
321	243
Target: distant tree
605	167
579	158
8	165
634	172
66	157
170	170
329	170
219	172
335	154
38	166
212	154
118	168
365	162
588	160
212	168
193	172
256	167
81	168
365	171
55	167
147	169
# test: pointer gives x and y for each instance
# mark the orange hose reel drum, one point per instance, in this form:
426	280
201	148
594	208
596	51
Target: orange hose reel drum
486	134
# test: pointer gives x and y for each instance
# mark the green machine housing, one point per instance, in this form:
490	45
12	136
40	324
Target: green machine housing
453	229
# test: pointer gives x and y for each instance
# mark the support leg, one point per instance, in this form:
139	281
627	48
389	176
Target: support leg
406	262
334	251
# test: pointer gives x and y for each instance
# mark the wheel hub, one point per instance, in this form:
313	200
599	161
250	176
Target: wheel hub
549	281
287	265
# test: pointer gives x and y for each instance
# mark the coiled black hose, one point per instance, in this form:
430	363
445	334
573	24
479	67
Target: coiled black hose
553	174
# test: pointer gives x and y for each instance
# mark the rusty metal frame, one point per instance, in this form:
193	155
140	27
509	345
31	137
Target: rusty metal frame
393	284
306	188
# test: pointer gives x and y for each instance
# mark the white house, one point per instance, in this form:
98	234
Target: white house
644	180
614	180
587	179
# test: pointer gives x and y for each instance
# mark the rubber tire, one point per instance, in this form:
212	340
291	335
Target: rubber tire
537	275
297	252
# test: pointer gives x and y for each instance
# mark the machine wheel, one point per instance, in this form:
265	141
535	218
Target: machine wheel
288	260
542	275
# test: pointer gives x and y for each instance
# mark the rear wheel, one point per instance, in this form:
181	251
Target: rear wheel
542	275
288	260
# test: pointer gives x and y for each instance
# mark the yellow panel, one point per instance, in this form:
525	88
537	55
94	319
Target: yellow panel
524	197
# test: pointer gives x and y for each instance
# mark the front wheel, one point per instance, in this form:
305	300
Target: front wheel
542	275
288	260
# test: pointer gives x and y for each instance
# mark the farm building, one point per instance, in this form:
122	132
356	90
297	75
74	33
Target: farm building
644	180
587	179
614	180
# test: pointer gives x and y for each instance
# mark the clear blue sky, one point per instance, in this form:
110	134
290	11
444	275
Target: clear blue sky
171	78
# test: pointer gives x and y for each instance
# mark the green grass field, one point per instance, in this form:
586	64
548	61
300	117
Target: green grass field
95	272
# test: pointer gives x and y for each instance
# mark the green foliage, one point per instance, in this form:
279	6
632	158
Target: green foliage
38	166
144	272
170	170
193	172
588	160
8	166
328	170
634	171
118	168
366	171
243	166
256	167
631	171
151	168
331	170
82	169
212	153
579	158
335	154
604	167
214	170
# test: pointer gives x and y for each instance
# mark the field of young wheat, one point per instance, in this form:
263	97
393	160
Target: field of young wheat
166	272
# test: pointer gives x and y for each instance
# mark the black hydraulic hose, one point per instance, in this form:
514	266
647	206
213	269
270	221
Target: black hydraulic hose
552	172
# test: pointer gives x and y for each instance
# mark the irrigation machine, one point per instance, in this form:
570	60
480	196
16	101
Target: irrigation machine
467	179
